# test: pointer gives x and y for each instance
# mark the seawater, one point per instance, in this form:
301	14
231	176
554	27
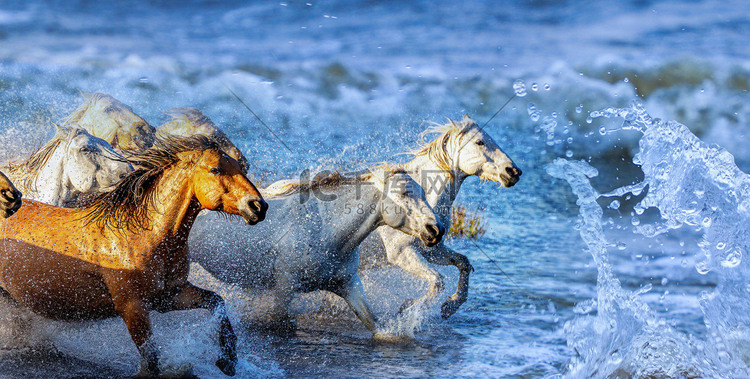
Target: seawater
623	241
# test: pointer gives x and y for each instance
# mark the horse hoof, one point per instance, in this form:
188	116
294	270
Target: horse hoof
226	366
449	308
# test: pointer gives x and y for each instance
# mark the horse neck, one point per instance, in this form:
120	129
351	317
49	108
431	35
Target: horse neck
174	207
353	226
440	186
50	184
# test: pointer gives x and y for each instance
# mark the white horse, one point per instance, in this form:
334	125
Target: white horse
72	163
188	122
309	241
461	149
109	119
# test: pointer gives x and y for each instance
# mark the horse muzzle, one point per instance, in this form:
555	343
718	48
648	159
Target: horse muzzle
253	209
511	176
10	202
433	234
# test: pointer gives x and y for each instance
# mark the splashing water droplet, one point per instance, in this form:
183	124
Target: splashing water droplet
579	108
547	87
733	259
621	246
534	87
519	87
645	288
664	281
702	267
602	130
569	153
626	80
615	204
635	221
589	120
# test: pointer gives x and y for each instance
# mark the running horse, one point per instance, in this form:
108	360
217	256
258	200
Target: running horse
126	252
109	119
71	165
460	150
188	122
10	197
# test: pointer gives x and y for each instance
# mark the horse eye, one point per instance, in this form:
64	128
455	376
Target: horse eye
480	143
215	170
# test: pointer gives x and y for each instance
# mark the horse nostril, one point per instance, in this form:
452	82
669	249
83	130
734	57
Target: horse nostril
436	230
258	206
11	195
513	171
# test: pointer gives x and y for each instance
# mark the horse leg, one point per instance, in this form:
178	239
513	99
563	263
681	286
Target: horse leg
135	314
442	255
354	295
412	261
283	293
192	297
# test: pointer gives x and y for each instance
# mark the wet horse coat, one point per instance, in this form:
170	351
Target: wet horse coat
460	150
187	122
10	197
71	164
126	254
109	119
312	244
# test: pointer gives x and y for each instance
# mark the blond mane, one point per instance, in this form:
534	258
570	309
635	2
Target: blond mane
26	172
330	179
437	149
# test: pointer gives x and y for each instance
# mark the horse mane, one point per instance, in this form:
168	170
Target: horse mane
25	173
437	149
126	206
325	180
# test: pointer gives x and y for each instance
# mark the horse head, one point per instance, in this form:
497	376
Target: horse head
220	184
188	122
476	153
108	118
10	197
90	164
403	207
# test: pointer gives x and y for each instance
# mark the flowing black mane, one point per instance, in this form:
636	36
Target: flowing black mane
126	206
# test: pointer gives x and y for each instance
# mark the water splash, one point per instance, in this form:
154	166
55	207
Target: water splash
519	87
692	185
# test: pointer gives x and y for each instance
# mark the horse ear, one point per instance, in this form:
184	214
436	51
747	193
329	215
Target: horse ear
86	96
58	129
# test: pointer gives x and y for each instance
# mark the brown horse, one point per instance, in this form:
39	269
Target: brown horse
126	253
10	197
